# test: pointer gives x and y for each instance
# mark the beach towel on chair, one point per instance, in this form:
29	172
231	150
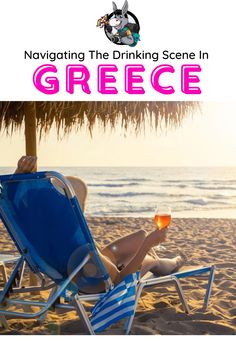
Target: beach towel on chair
116	304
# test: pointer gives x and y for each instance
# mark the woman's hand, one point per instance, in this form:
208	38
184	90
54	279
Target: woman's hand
26	164
157	236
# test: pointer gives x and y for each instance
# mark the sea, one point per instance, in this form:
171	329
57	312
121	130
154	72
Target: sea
138	191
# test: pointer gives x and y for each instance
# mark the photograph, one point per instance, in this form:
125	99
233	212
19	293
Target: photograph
117	217
118	176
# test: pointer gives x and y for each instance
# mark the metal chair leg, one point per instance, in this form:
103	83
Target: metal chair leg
181	295
4	273
209	288
3	321
83	315
130	320
44	315
21	275
179	289
11	280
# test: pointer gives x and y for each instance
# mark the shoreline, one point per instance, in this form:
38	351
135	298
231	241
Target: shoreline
151	217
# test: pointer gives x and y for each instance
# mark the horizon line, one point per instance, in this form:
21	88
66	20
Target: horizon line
125	166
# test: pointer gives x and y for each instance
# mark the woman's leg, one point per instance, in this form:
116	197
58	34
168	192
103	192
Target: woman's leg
161	266
121	251
154	238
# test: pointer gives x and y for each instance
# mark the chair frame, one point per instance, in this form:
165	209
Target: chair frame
76	300
174	279
4	262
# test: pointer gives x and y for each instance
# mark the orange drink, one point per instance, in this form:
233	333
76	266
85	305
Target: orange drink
162	220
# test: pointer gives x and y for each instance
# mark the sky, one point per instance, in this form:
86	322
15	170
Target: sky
205	139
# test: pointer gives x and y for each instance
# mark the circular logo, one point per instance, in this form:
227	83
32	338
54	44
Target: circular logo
121	26
122	30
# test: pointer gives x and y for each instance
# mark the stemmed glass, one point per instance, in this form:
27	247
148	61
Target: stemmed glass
162	219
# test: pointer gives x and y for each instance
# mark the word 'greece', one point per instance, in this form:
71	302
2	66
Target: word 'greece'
78	75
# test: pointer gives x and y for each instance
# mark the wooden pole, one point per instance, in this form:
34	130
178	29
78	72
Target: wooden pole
31	150
30	129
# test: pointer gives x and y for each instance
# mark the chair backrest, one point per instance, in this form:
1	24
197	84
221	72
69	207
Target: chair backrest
47	225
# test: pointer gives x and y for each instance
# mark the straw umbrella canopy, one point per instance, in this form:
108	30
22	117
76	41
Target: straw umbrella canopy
39	117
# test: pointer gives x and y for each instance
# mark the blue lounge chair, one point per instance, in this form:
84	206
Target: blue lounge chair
53	239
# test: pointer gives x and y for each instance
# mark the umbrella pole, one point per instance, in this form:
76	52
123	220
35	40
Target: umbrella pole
31	150
30	130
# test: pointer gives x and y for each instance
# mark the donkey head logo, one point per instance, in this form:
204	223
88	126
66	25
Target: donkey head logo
121	26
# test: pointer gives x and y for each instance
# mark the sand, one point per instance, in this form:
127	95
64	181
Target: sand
205	241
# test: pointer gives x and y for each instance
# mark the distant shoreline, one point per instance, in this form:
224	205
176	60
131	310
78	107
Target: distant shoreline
150	218
44	168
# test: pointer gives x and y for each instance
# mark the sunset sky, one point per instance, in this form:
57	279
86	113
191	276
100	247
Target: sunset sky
206	139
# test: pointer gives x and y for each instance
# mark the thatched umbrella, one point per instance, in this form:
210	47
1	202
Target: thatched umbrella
41	116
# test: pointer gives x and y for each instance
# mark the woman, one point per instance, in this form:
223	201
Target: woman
127	254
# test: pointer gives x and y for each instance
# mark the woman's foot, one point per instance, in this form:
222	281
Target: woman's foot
166	266
180	261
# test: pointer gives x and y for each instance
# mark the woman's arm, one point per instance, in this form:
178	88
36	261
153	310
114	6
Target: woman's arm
26	164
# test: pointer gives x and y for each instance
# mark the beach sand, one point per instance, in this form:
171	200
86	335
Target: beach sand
205	242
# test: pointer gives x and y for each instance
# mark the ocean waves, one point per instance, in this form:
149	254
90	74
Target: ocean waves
129	195
113	185
133	179
205	185
138	191
205	202
218	188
